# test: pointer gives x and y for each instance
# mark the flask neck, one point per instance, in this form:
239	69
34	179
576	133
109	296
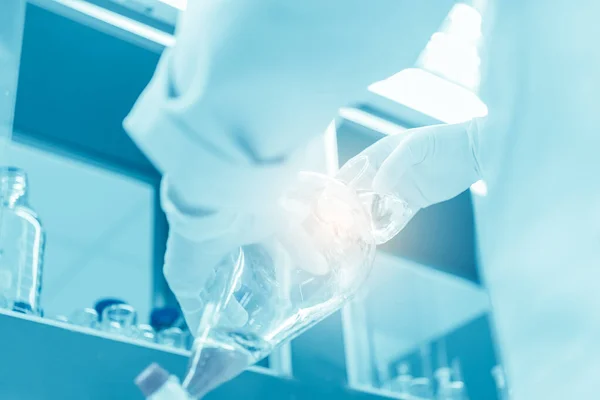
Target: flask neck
13	187
389	214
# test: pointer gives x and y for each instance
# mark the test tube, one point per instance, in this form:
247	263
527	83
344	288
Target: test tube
173	337
119	318
86	317
500	380
5	285
5	303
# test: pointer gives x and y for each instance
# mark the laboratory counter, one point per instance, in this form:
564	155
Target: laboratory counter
44	359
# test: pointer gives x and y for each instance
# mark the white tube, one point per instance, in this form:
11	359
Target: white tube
156	384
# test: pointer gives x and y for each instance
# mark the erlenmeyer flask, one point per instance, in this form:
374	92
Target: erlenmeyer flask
314	264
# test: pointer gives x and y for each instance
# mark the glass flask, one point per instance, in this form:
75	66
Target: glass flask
389	214
22	241
270	292
119	318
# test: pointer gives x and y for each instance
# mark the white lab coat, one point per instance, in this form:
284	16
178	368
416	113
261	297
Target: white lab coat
538	227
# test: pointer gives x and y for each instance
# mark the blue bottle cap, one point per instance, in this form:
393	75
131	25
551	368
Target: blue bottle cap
104	303
163	318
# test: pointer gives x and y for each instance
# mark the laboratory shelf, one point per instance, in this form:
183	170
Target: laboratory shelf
45	359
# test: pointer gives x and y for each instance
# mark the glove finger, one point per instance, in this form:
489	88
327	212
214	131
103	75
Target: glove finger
393	177
380	150
189	265
359	172
432	165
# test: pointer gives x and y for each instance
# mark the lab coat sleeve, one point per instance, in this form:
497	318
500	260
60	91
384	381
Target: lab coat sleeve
176	134
215	198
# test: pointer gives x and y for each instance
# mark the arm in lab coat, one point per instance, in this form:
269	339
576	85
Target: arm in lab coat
214	200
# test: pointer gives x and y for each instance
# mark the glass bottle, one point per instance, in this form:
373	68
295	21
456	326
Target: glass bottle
279	288
119	319
22	240
85	317
421	389
401	384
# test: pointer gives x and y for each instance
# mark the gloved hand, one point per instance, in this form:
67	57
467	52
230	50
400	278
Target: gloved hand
422	166
200	251
428	165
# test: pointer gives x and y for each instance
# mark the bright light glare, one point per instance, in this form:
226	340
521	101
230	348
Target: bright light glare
370	121
452	58
453	53
179	4
119	21
431	95
445	84
465	21
479	188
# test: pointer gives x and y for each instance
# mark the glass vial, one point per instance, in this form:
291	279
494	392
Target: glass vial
85	317
119	319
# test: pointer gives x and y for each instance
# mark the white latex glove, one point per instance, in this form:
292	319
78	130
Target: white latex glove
198	249
428	165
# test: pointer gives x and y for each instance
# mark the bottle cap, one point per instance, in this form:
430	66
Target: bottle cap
163	318
105	303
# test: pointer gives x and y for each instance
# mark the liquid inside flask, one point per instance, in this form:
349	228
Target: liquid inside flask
270	292
21	245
